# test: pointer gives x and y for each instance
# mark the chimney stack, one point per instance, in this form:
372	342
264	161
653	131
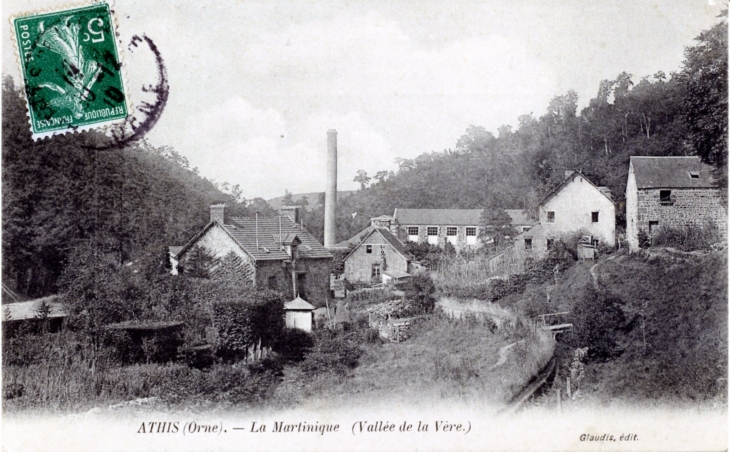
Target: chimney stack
292	212
217	212
330	197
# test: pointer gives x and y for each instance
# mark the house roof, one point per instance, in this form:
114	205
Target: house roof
672	172
520	217
397	274
535	231
426	217
298	304
355	239
387	236
243	231
568	180
25	310
174	250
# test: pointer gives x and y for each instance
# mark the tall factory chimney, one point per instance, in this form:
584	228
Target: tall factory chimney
330	196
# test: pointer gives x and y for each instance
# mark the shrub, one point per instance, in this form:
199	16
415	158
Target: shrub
597	323
332	352
688	238
245	319
644	239
420	293
293	344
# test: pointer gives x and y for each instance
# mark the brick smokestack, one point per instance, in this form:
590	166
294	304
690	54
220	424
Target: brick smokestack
330	196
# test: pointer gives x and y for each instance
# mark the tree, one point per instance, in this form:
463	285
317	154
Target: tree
704	79
362	178
97	292
496	228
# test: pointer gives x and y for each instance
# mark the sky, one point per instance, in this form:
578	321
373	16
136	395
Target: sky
254	86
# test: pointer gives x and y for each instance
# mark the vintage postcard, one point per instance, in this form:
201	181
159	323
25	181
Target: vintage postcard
365	225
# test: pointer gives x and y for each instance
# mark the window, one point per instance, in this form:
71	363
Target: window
594	217
433	235
653	225
375	271
665	197
550	243
528	244
369	249
471	235
412	233
272	283
451	235
694	175
551	217
382	250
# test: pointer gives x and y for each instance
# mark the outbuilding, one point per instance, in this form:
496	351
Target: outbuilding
299	314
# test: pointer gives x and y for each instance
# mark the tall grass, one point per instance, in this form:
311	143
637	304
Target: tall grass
687	238
473	273
52	372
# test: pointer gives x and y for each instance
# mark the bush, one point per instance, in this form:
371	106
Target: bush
293	344
598	320
420	293
688	238
332	352
246	318
644	240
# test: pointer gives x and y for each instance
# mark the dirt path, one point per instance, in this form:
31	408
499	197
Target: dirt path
504	353
594	275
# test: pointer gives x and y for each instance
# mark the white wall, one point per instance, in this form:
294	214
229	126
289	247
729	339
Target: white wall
219	244
299	319
632	211
573	206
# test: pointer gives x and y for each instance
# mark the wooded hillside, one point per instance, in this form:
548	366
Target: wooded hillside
59	193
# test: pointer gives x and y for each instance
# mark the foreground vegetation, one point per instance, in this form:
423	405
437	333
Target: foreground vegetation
651	329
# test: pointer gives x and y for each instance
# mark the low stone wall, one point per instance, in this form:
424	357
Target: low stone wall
394	330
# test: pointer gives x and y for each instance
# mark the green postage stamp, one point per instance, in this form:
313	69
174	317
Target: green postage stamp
71	69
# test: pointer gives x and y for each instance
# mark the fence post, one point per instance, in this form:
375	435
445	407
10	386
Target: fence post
560	403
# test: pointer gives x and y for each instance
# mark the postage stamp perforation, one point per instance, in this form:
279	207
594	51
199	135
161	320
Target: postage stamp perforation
120	53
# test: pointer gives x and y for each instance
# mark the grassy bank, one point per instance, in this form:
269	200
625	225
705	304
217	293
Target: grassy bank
444	361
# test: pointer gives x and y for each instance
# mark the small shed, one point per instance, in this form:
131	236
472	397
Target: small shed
299	314
395	276
587	248
42	311
147	341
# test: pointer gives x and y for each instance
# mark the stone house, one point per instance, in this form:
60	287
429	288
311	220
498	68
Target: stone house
575	205
460	227
374	251
271	253
671	192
